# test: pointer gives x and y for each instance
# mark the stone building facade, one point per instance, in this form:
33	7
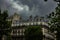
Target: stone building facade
18	28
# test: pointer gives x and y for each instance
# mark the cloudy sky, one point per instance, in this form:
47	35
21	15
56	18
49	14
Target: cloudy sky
28	7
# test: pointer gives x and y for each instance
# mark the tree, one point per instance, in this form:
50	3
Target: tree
5	27
33	33
54	22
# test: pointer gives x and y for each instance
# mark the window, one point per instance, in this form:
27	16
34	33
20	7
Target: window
16	22
21	32
15	32
18	32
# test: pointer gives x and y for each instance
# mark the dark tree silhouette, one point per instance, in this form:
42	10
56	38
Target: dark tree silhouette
33	33
54	21
5	27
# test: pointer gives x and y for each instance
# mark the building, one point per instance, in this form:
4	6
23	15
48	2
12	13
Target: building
18	28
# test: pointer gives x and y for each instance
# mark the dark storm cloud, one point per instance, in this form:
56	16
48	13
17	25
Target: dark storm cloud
28	7
39	6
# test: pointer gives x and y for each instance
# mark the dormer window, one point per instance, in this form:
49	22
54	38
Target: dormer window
16	22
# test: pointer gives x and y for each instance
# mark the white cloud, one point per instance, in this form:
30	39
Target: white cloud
18	7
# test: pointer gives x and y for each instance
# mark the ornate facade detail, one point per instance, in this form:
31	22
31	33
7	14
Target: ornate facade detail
18	28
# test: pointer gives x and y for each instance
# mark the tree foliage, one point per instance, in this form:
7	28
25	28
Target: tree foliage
33	33
5	27
54	21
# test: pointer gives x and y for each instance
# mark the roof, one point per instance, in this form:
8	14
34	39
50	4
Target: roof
11	17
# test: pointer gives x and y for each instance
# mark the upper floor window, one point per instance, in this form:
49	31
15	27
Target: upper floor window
16	22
